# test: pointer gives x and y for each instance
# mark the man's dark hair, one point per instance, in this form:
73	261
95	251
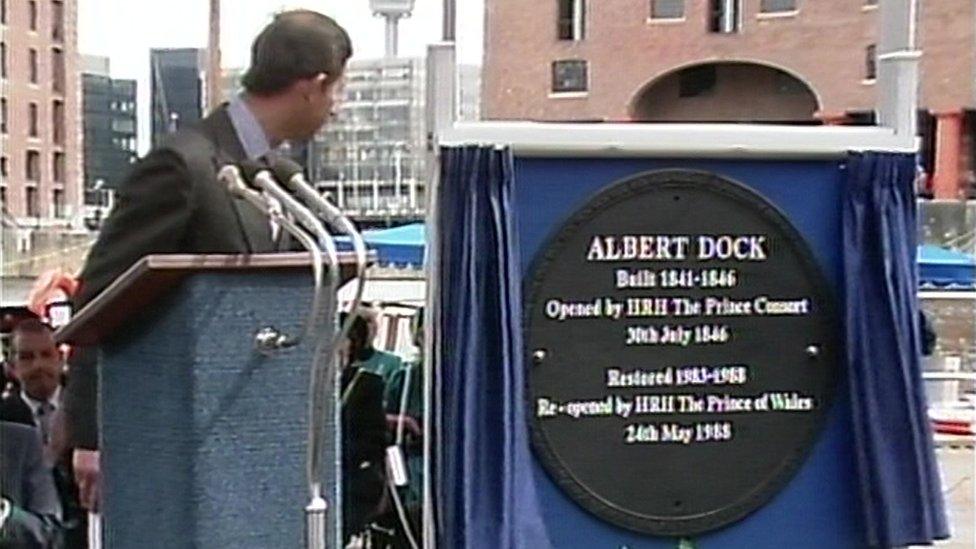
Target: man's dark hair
296	45
30	326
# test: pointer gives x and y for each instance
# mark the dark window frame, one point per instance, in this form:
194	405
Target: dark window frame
566	20
558	78
871	62
772	6
33	120
653	8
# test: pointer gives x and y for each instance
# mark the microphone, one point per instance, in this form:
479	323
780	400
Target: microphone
326	348
260	177
291	174
269	338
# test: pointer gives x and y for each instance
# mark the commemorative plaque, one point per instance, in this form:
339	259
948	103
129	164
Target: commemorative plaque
682	346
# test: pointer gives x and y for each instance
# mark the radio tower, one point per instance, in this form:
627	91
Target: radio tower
392	11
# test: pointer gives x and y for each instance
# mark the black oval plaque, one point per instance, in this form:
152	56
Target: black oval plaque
682	346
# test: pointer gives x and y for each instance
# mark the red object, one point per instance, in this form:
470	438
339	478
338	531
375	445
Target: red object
953	427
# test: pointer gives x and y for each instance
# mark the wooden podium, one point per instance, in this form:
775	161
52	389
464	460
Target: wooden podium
203	439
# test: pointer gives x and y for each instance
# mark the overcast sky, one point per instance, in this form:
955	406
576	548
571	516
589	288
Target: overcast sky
125	31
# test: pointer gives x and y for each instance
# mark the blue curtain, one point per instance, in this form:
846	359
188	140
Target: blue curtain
900	487
483	480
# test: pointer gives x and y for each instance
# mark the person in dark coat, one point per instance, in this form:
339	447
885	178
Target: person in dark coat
172	201
30	514
34	400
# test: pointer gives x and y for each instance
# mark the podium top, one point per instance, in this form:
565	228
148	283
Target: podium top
154	275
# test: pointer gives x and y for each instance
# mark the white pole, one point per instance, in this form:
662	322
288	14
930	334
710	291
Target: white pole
397	173
898	68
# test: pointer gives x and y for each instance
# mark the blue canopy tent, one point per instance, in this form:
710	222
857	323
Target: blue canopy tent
402	245
945	269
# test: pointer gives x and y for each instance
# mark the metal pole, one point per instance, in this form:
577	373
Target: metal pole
214	93
391	36
449	20
898	63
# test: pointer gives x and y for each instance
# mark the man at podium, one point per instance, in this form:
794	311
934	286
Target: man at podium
172	202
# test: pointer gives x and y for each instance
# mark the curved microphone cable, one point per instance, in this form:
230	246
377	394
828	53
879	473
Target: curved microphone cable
231	177
290	173
322	365
260	177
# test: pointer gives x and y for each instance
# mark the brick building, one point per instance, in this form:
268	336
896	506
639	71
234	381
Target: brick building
759	61
40	138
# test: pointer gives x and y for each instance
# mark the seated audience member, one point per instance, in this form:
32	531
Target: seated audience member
38	366
405	404
30	514
364	434
374	360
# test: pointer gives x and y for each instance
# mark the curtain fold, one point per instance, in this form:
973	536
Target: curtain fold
484	488
900	487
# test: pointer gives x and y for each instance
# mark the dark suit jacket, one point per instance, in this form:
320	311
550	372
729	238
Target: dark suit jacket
364	441
170	203
27	483
13	409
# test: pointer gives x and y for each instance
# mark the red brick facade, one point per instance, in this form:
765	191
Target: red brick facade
49	29
823	43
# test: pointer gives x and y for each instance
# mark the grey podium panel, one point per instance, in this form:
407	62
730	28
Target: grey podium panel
203	440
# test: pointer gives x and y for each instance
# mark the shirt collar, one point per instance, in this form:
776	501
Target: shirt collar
248	129
34	405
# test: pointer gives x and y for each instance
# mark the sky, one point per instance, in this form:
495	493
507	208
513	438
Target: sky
125	31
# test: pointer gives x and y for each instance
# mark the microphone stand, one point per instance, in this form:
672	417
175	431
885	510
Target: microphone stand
322	372
268	339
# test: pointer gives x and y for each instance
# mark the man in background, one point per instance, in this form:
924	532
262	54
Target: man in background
35	400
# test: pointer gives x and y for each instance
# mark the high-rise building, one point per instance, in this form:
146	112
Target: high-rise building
177	81
110	131
372	156
783	61
40	156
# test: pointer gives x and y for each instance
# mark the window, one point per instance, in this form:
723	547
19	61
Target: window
4	168
3	12
57	122
57	70
32	64
726	16
32	14
57	198
33	167
32	120
3	59
123	126
696	81
57	20
57	167
777	6
571	22
32	205
3	116
569	76
870	63
3	190
667	9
